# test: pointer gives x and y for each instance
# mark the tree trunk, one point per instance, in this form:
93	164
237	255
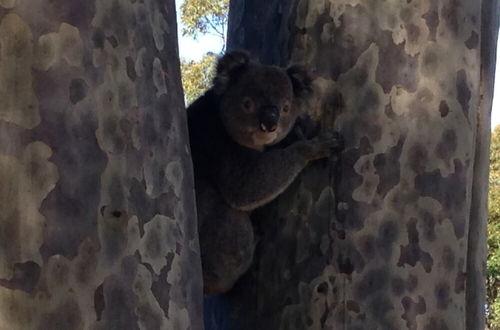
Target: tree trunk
97	229
391	235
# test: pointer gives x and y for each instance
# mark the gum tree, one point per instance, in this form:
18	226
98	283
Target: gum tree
392	235
97	222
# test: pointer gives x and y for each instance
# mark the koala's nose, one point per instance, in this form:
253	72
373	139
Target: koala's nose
268	117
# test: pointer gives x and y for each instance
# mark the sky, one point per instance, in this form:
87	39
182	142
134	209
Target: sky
191	49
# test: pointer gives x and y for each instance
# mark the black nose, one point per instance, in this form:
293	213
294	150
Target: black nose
268	117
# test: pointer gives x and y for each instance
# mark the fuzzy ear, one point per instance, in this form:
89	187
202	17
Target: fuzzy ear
301	80
229	66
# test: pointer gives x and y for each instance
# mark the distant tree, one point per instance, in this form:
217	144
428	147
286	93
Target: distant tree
495	157
493	263
204	17
197	76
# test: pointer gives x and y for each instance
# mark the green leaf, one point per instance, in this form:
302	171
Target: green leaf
493	262
204	16
197	76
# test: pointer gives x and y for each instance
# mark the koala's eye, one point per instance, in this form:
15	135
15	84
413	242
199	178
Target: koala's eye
247	104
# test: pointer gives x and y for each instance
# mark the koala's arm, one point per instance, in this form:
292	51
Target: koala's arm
248	180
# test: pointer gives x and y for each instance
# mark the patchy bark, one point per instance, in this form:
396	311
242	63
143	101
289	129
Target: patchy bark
392	233
97	229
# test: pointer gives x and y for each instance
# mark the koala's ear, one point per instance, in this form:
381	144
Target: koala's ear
301	80
229	66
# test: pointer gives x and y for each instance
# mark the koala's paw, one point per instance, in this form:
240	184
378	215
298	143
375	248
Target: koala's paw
324	145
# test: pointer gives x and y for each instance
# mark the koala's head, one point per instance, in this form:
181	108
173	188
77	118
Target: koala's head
258	104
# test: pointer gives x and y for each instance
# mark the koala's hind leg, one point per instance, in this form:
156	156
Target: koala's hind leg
227	246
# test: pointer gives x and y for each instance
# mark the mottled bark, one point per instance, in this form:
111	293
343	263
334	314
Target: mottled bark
392	234
97	222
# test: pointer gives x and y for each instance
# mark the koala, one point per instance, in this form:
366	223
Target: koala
234	129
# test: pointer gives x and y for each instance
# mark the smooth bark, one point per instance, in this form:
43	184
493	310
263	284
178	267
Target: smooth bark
97	221
392	234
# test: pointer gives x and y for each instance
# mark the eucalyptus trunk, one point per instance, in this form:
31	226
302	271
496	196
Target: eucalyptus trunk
97	221
392	233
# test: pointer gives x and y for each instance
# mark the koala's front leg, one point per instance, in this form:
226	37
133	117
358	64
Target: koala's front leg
248	180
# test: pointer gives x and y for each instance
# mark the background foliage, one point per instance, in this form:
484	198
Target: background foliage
197	76
493	263
202	17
